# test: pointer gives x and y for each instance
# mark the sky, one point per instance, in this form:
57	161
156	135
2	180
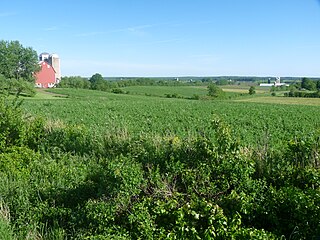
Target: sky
170	38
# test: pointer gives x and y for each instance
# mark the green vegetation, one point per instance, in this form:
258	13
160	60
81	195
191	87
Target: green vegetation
252	90
104	165
98	82
303	94
306	89
149	162
281	100
250	121
17	67
308	84
74	82
163	91
17	62
16	87
113	166
215	91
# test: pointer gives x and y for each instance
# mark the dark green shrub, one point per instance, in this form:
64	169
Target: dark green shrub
12	126
304	151
215	91
195	97
117	91
252	90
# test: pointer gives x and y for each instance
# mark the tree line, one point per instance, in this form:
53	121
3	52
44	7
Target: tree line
98	82
307	88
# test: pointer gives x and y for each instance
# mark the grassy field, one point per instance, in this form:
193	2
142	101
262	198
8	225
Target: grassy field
162	91
251	118
283	100
244	88
189	91
100	165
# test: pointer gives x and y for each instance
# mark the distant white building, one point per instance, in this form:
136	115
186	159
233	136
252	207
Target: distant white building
276	83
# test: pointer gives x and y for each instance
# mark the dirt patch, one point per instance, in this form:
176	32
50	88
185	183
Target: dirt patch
47	92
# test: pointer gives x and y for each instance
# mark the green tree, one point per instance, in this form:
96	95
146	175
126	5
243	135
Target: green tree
18	62
215	91
308	84
16	86
222	82
252	90
74	82
97	81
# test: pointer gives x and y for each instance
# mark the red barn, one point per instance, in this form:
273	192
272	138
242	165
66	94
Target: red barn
46	77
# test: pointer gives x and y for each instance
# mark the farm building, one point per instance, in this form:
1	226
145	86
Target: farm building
46	77
277	83
49	74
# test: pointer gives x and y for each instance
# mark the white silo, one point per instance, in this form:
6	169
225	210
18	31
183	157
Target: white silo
54	61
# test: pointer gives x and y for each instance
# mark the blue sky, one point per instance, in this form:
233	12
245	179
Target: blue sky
170	37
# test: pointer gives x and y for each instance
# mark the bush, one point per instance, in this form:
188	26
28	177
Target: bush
118	91
214	91
304	94
252	90
16	87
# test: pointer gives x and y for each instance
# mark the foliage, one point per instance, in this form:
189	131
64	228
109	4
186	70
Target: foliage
187	92
6	232
17	62
161	116
308	84
281	88
304	94
66	181
12	128
17	67
118	91
214	91
252	90
98	82
74	82
16	87
303	151
222	82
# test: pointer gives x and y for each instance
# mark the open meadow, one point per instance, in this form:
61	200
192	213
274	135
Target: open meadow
253	119
86	164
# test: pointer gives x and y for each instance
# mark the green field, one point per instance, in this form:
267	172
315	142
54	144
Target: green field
283	100
188	91
85	164
162	91
251	118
